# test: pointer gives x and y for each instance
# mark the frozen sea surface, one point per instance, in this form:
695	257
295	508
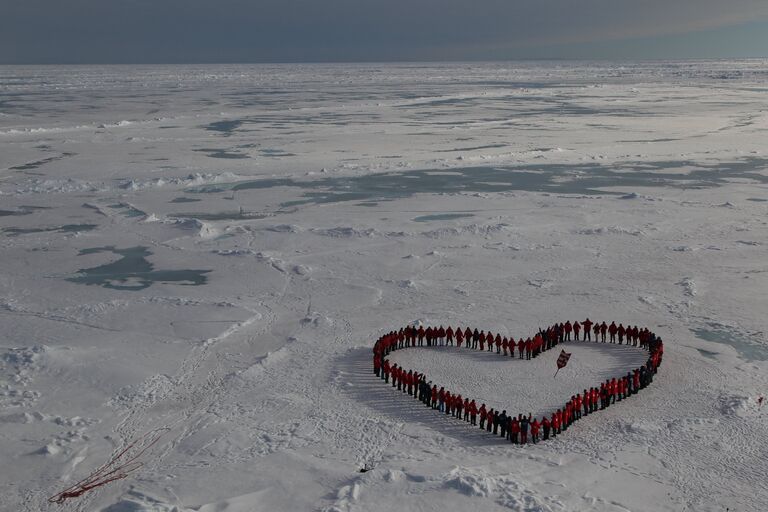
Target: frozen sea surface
214	249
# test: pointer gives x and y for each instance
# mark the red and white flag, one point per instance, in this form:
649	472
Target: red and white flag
563	359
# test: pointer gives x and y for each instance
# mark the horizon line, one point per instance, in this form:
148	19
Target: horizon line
388	61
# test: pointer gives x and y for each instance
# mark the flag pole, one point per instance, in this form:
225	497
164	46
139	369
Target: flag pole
555	375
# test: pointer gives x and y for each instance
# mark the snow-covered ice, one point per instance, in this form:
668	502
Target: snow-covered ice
214	249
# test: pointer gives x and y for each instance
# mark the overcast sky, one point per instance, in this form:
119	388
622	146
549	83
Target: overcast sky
138	31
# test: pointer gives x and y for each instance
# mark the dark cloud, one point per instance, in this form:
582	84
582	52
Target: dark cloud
338	30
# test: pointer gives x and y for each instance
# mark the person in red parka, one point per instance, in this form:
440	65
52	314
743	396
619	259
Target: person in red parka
521	348
505	345
555	422
386	369
497	342
576	330
483	412
612	329
587	329
545	425
535	431
603	330
449	336
512	344
514	430
482	340
621	331
568	328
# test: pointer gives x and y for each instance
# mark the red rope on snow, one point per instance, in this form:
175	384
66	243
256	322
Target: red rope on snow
115	469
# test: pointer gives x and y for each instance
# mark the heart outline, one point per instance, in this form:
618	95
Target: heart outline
622	387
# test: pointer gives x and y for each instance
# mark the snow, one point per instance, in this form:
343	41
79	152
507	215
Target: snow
272	221
517	385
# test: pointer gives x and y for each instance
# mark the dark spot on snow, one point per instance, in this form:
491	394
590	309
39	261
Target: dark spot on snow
133	271
222	153
747	347
580	179
225	127
67	228
442	216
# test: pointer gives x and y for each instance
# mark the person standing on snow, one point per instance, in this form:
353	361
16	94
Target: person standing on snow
535	431
515	428
524	430
503	423
473	413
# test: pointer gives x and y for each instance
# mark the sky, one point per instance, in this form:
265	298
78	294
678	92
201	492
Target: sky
202	31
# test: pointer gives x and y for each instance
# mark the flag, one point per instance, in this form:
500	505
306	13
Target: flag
563	359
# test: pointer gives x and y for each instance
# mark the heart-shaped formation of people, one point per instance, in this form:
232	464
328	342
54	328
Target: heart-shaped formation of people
516	429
